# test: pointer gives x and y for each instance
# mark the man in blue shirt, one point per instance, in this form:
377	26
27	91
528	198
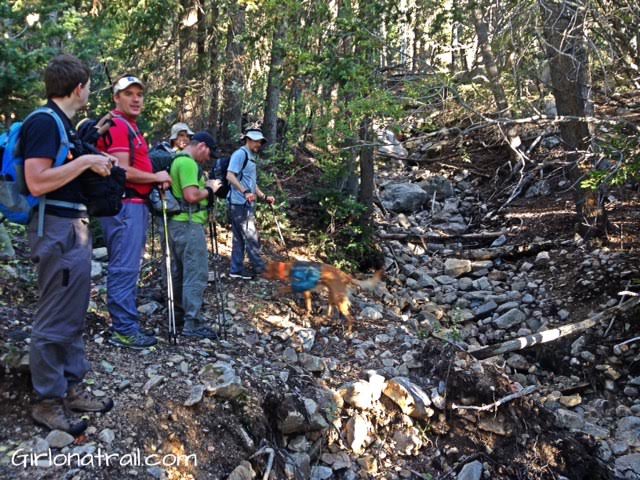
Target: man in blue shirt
243	178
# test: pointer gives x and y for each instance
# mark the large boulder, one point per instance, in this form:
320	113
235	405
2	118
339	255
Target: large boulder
404	197
438	185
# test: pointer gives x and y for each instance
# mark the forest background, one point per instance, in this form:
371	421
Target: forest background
327	79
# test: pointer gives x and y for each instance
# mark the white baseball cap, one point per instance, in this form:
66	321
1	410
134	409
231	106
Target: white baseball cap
255	135
125	82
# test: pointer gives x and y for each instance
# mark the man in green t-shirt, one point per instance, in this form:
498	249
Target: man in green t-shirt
187	232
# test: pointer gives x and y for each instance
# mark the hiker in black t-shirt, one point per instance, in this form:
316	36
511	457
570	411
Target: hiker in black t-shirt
62	253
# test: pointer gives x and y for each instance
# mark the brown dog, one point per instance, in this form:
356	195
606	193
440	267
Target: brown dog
335	280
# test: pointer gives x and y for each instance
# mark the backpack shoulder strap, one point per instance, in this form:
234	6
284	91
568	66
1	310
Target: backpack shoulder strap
244	164
61	156
133	135
65	144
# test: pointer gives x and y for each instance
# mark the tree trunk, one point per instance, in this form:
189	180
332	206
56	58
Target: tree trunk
214	73
563	31
274	85
367	184
234	81
482	31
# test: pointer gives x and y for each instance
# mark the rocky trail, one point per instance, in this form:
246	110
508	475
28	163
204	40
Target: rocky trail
404	397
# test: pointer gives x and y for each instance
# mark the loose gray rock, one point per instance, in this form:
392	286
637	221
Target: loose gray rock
439	185
107	436
628	467
628	431
220	379
455	267
59	439
509	319
320	472
407	441
568	419
197	392
100	253
471	471
157	472
152	382
96	270
411	399
371	313
311	362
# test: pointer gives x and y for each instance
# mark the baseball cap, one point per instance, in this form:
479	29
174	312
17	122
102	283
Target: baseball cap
255	135
207	139
179	127
125	82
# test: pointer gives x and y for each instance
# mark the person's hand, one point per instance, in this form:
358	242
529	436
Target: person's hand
104	124
164	179
214	184
270	199
250	197
100	164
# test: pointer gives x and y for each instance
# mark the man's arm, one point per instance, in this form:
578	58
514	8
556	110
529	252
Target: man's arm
233	180
135	175
42	178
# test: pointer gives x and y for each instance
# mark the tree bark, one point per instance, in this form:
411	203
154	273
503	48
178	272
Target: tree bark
367	185
234	78
274	85
214	73
563	30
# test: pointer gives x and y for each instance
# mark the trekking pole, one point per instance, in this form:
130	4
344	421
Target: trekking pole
213	231
275	218
173	334
153	236
219	294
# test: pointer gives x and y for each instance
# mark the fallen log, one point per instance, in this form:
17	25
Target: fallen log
553	334
441	237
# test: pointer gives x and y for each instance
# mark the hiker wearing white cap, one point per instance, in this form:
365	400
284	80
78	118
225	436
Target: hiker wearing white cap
126	233
243	179
180	136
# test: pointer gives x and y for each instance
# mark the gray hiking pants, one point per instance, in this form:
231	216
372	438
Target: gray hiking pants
189	269
63	257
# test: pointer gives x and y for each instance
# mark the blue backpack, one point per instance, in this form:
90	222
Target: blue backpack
16	203
304	276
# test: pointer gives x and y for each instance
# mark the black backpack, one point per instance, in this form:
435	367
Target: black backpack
220	172
103	195
162	156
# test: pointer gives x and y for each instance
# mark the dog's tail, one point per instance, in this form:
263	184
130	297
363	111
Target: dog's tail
370	283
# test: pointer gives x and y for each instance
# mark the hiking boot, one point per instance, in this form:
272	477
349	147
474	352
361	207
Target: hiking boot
200	332
51	413
83	401
244	275
137	341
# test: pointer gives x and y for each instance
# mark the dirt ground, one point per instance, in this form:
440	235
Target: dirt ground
223	433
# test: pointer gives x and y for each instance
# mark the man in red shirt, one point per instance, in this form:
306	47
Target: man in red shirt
126	233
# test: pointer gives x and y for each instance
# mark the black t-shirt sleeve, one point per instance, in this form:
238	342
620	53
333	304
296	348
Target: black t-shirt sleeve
41	137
